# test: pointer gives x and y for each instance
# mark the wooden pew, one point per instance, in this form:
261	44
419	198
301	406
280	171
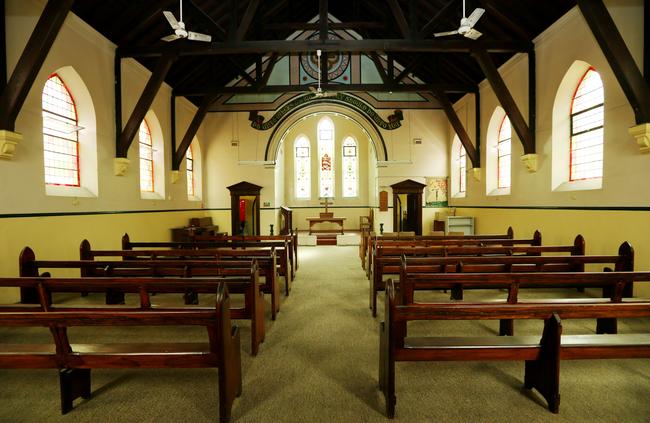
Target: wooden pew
497	273
450	240
221	349
243	278
281	247
266	260
388	258
542	353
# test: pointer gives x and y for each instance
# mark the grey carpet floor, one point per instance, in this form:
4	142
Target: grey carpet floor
319	364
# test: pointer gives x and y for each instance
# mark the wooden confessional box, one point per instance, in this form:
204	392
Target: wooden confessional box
245	208
407	206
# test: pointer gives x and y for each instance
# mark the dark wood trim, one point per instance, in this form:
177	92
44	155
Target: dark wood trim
269	69
216	28
500	89
3	46
499	15
429	27
314	26
593	208
302	46
146	22
532	95
323	21
646	40
635	87
246	20
30	62
348	88
400	19
191	132
380	68
173	129
117	69
459	129
143	105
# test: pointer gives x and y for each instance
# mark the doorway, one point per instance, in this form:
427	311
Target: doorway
407	206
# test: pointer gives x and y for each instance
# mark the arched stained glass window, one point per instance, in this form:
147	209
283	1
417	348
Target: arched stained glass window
504	145
60	136
350	168
189	166
587	116
146	158
462	169
326	157
302	167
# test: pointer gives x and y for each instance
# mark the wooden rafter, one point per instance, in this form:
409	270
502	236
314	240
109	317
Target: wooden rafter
323	21
30	62
145	22
472	152
635	87
491	72
269	69
247	19
279	89
143	104
430	26
398	13
191	132
355	46
380	68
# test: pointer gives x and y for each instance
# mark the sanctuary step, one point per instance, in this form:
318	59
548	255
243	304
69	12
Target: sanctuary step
326	239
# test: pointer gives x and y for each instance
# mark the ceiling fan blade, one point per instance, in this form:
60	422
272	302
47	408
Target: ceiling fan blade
171	19
171	37
444	34
197	36
475	16
473	34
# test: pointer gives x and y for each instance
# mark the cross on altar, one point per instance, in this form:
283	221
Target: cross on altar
326	203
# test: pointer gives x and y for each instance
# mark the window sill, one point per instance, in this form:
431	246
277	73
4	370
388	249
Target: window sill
64	191
459	195
585	185
499	191
144	195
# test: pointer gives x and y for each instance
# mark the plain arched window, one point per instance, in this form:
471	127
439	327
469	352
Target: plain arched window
350	168
462	169
60	134
189	168
504	146
302	167
146	158
326	157
587	116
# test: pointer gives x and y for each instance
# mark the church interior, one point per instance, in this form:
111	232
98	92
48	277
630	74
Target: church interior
320	129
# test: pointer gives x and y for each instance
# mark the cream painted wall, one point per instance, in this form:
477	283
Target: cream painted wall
625	169
54	226
603	230
58	237
92	58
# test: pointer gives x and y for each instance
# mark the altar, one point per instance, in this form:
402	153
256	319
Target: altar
326	217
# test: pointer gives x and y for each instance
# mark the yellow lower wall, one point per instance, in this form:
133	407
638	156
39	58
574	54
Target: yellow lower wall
58	237
603	231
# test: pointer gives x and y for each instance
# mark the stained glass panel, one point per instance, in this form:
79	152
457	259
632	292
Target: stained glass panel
326	157
302	167
350	168
504	153
189	158
462	169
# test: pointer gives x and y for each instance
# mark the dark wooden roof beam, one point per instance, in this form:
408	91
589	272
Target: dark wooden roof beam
400	19
280	89
247	19
380	68
472	153
269	69
314	26
428	28
635	87
215	29
526	136
30	62
144	103
323	20
501	16
191	131
354	46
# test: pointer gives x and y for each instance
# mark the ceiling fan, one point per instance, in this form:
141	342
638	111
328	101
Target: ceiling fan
466	27
318	92
179	29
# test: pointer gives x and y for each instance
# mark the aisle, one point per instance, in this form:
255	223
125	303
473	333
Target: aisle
320	350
